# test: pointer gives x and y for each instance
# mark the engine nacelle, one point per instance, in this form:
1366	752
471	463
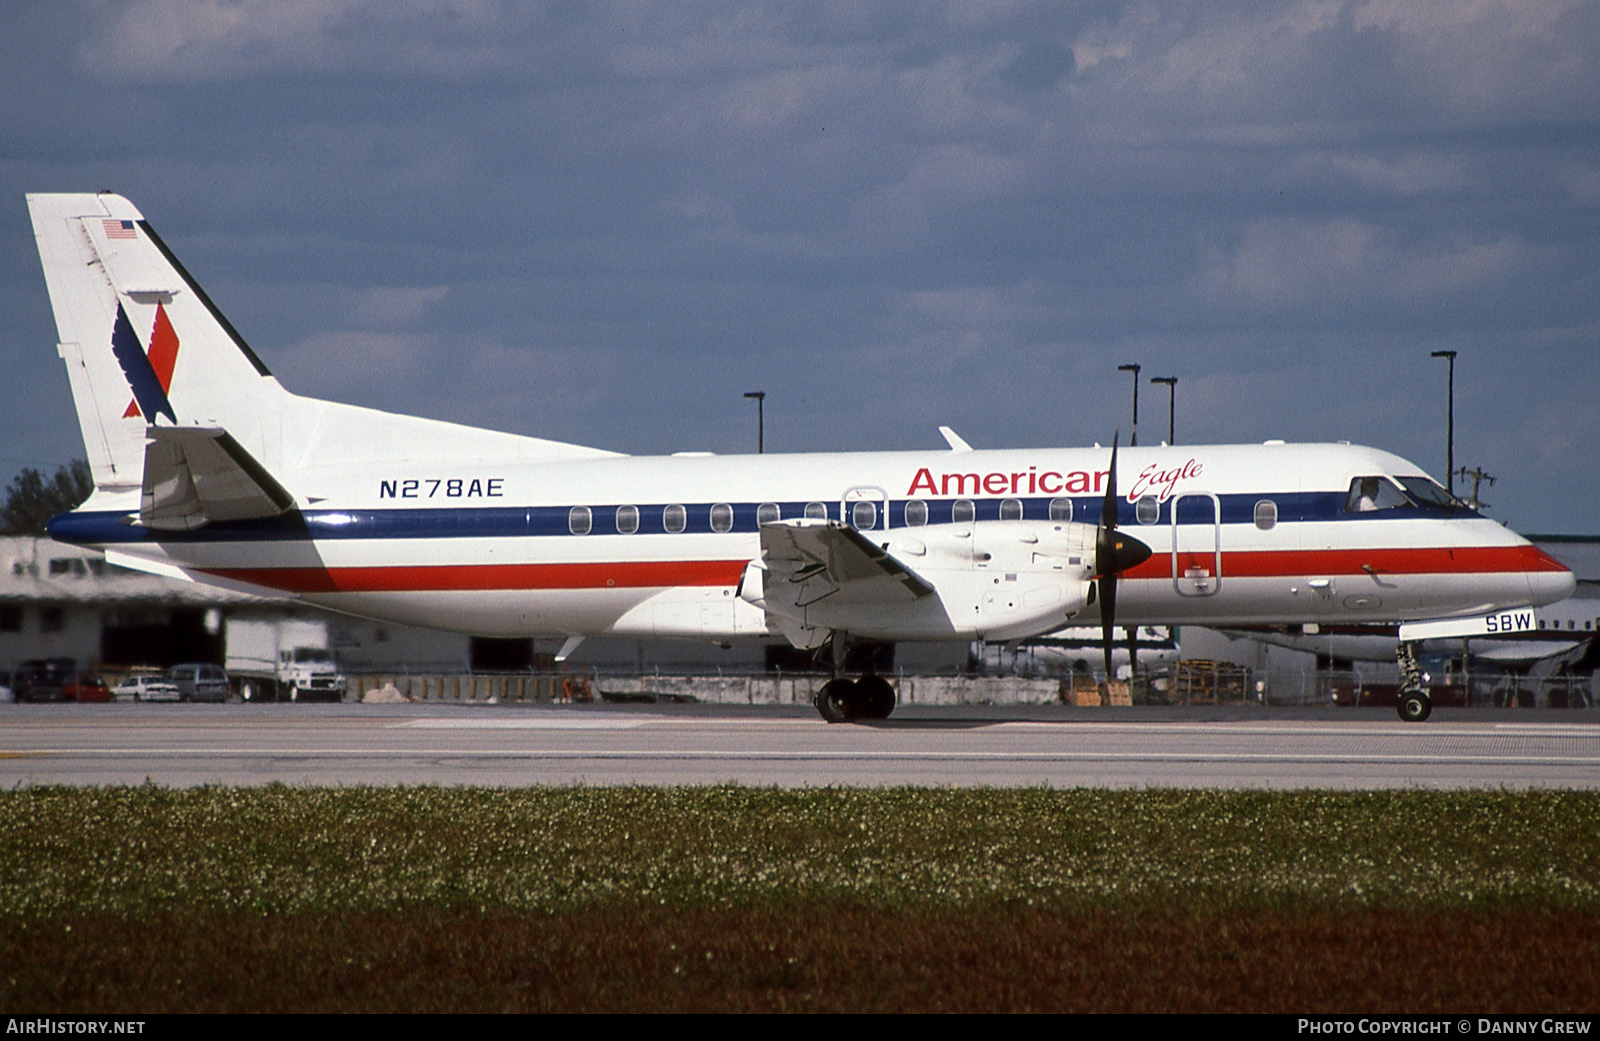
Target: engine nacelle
995	580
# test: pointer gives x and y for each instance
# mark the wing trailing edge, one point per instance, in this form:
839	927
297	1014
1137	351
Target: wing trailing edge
810	560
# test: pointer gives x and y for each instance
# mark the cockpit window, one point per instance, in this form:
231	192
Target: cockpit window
1369	494
1425	493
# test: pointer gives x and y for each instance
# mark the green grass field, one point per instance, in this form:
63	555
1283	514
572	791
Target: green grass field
148	899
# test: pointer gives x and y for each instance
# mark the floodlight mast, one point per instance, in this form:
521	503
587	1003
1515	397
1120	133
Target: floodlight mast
1450	425
1133	438
761	419
1172	394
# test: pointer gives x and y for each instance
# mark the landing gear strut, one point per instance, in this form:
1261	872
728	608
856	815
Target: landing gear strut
1415	705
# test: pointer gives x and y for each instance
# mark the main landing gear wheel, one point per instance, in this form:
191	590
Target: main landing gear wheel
1415	706
845	701
838	702
875	696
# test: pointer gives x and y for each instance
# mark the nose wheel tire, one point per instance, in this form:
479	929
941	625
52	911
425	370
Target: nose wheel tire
1415	706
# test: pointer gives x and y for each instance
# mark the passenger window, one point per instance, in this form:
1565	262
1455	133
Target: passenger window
916	513
962	511
1266	514
627	519
1061	509
864	515
1011	509
1147	510
722	517
579	521
674	518
816	511
768	513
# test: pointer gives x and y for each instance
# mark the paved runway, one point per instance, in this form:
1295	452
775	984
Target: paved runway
520	745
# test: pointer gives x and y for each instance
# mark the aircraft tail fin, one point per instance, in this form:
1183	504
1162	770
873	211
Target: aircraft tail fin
143	344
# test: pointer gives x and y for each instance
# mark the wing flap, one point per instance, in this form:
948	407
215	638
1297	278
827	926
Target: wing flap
809	560
195	475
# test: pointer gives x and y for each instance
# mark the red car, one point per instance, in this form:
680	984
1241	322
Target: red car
86	688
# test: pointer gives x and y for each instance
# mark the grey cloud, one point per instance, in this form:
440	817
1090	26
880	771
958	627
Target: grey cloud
603	222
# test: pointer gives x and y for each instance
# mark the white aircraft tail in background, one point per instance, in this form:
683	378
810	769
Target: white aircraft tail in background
206	468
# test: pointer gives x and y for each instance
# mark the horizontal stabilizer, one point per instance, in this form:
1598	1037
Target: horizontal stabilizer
195	475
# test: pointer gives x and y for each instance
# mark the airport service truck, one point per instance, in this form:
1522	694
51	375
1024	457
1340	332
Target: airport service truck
284	658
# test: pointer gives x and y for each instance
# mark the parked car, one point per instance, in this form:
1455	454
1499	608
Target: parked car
84	687
146	687
200	681
42	679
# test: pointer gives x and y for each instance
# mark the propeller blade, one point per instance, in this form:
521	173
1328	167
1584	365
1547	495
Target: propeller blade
1108	612
1114	553
1104	553
1108	505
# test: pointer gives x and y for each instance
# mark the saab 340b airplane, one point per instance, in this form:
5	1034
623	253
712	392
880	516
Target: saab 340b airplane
206	468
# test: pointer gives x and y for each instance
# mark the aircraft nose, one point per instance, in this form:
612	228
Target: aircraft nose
1546	587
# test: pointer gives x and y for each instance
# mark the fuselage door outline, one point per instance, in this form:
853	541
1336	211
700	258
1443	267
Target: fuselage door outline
865	507
1196	544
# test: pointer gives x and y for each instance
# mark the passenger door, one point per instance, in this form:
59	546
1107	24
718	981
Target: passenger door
1196	544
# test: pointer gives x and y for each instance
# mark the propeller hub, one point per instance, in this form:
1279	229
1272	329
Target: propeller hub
1119	552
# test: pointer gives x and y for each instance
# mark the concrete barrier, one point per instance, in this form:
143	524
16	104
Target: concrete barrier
722	690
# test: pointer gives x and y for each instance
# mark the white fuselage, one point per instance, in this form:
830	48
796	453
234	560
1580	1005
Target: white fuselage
1240	534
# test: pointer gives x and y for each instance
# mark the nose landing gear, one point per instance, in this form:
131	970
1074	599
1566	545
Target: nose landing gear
1415	704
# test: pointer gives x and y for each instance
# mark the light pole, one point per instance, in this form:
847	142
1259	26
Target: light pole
1450	426
1172	394
1133	439
761	419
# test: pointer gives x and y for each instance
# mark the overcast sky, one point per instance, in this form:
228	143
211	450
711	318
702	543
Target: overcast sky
604	223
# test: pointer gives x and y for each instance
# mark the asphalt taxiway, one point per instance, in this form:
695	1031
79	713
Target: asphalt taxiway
520	745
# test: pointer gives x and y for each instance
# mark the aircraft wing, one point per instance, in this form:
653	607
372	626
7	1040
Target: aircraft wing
809	560
194	475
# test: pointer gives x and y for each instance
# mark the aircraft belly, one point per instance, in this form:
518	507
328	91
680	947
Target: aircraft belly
502	613
1252	600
